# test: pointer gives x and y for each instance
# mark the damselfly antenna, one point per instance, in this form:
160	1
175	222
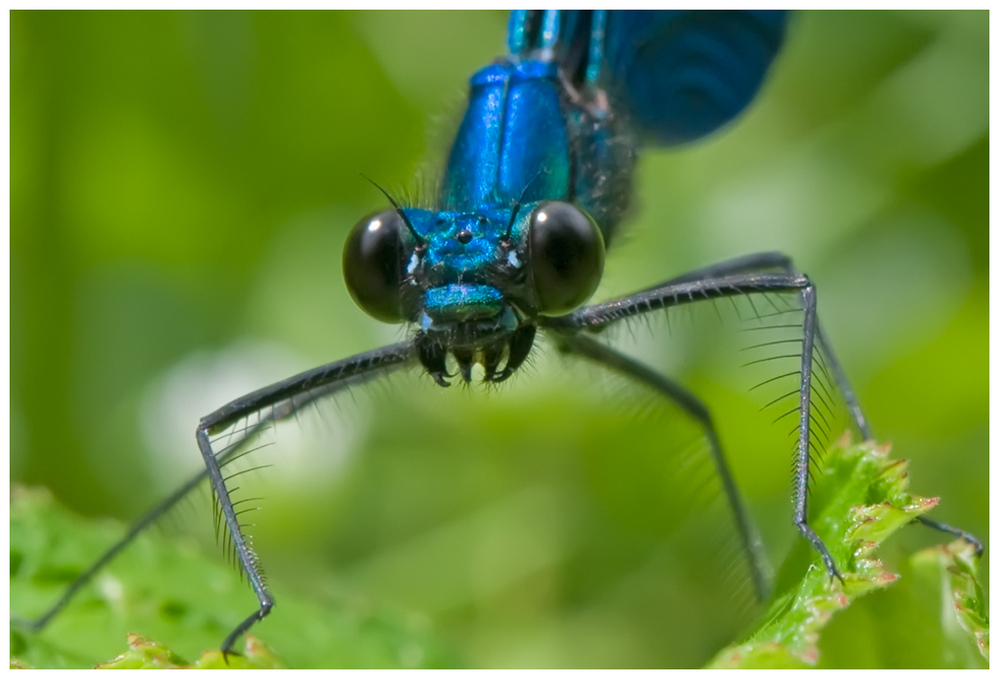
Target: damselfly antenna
420	239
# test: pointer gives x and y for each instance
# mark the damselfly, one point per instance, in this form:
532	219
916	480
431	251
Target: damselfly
468	303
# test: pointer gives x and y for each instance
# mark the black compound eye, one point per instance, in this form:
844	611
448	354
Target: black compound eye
373	265
566	256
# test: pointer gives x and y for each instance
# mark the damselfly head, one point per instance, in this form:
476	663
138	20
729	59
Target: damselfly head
474	281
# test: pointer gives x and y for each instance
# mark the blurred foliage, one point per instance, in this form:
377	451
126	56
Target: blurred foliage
964	616
181	187
167	590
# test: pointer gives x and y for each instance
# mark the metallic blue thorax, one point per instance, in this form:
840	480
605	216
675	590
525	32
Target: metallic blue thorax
529	134
513	143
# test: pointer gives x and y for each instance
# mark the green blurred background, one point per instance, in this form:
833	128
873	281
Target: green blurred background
181	187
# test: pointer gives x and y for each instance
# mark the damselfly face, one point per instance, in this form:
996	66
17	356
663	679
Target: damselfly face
474	281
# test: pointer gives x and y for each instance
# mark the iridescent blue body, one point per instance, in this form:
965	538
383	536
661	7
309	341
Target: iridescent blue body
560	119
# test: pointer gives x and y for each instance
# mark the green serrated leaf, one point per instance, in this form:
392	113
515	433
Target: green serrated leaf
861	499
145	653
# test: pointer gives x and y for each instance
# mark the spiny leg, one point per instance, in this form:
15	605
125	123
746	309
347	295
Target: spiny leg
752	545
247	558
324	380
861	422
804	452
775	260
721	284
283	399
